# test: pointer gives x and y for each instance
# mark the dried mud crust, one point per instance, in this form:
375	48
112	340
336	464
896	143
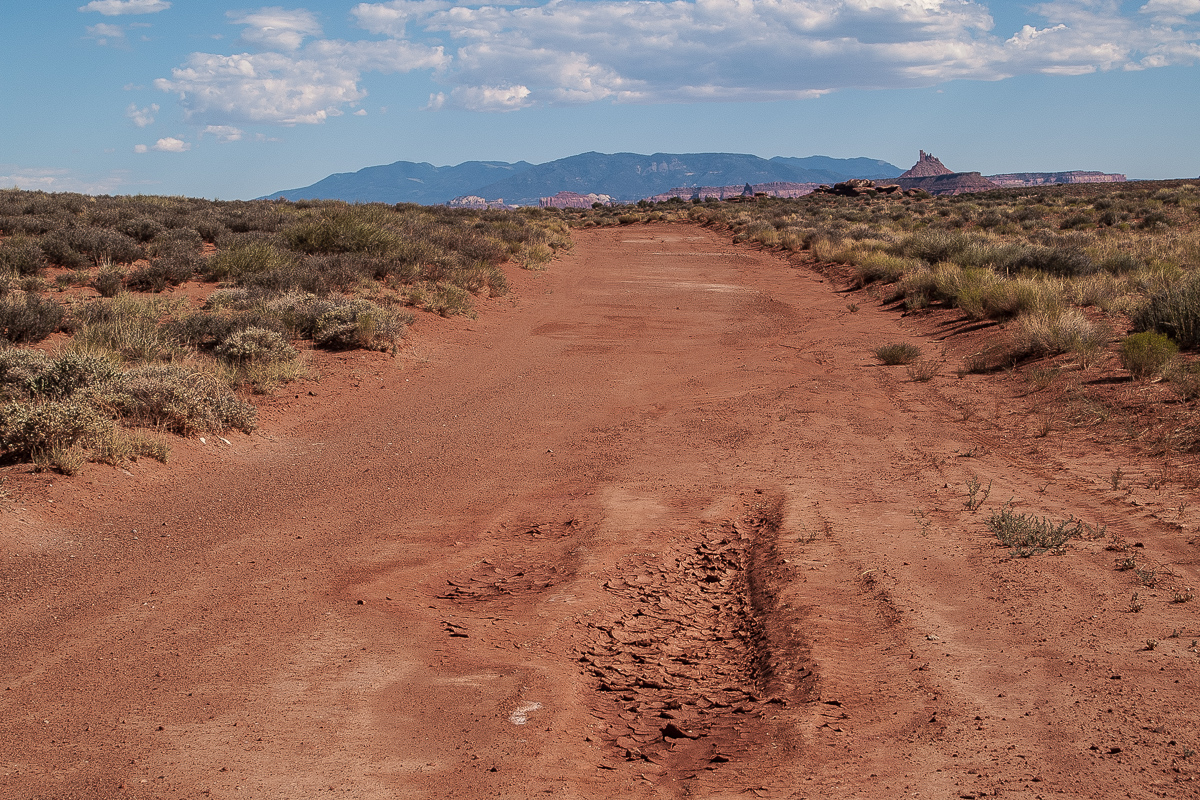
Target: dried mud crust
683	664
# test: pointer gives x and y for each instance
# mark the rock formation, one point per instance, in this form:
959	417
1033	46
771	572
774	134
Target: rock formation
927	166
771	189
476	202
1054	178
574	200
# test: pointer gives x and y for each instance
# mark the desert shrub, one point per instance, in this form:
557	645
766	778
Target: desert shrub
26	317
173	398
45	430
206	330
254	344
875	265
1173	310
143	229
1026	535
172	269
126	326
897	353
1059	261
245	258
109	282
22	256
353	324
1147	354
33	375
339	233
59	250
1003	299
1185	380
934	245
1052	331
186	240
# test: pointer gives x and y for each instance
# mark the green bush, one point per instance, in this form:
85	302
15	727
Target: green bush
897	353
1147	355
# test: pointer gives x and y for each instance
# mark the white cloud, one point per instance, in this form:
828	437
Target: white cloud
60	180
105	34
288	89
362	112
491	98
277	28
224	133
113	8
170	144
140	148
502	57
1171	10
142	116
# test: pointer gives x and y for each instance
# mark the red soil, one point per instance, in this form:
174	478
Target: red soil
655	525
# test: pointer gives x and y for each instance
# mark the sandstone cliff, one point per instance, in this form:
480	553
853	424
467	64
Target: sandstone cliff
574	200
1053	178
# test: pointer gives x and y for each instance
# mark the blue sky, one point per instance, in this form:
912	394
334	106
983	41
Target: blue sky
229	100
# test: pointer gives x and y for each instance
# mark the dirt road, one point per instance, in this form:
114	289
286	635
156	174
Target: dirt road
655	525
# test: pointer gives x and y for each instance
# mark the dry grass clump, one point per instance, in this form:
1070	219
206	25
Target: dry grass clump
897	353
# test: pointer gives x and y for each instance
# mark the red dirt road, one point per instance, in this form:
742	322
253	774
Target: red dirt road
655	525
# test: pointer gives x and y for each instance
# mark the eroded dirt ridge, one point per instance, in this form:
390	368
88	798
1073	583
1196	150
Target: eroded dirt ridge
684	658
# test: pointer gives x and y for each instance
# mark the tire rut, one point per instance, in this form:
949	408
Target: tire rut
685	669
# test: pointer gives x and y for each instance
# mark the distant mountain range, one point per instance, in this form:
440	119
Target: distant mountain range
626	177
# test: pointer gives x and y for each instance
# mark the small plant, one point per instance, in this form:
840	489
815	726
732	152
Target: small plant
923	371
897	353
852	307
1114	479
1125	564
1151	644
1146	355
974	498
1147	576
1182	595
1026	535
1135	604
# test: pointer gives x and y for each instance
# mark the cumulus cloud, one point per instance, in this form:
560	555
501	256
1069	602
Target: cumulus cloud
114	8
277	28
303	88
498	57
169	144
224	133
105	34
142	116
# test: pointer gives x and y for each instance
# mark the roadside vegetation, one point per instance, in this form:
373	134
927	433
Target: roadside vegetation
101	358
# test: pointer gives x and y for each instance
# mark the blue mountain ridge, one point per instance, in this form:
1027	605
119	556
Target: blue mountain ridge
626	177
